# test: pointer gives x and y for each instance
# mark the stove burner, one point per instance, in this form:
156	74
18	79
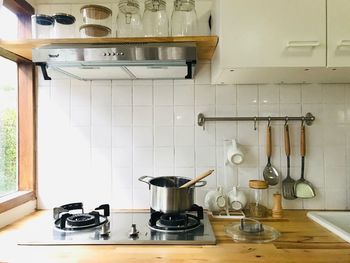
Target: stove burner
173	220
81	220
176	222
66	221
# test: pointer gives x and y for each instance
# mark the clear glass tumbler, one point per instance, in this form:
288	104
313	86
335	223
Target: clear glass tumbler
155	19
129	23
184	18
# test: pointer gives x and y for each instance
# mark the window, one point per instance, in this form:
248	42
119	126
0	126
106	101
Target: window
17	114
8	126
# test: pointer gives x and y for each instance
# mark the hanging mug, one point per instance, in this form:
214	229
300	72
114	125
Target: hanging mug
234	154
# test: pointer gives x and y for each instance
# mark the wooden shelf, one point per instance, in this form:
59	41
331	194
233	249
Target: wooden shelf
206	45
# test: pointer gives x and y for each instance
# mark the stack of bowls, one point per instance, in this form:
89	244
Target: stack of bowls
97	21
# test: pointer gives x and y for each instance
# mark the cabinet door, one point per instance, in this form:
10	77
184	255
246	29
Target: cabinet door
272	33
338	33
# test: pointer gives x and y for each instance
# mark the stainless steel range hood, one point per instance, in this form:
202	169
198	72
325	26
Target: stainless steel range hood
119	61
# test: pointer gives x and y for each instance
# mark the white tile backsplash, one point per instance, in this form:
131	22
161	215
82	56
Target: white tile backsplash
122	130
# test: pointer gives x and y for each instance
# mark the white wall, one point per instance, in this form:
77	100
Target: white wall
96	138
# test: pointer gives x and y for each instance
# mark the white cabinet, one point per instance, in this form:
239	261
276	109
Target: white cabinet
338	33
267	34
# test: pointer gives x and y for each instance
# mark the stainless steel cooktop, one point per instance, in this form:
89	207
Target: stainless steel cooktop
120	227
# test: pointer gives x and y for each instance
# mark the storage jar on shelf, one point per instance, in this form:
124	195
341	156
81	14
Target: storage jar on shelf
63	26
129	22
42	26
184	18
155	19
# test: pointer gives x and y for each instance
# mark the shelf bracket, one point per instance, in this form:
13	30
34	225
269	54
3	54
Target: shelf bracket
43	67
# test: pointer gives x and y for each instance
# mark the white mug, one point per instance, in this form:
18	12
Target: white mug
234	154
216	200
237	199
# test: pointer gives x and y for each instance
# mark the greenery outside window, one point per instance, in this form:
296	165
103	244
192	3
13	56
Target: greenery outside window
17	111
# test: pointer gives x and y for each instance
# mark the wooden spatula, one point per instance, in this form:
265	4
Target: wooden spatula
198	178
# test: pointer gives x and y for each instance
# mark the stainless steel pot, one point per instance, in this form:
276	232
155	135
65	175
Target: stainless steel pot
167	197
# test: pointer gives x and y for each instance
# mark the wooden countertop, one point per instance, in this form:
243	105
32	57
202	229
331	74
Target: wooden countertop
302	240
206	45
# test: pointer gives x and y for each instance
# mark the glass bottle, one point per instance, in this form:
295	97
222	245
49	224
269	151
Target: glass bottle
184	18
155	19
129	23
258	198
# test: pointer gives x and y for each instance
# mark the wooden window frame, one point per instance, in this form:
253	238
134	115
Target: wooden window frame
26	112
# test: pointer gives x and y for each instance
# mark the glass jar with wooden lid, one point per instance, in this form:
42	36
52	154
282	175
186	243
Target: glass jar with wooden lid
258	198
96	15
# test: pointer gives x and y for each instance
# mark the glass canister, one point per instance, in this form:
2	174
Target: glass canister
42	26
258	198
96	15
129	23
155	19
87	31
184	18
64	26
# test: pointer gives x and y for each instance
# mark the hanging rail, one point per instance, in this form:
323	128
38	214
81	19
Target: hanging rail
308	119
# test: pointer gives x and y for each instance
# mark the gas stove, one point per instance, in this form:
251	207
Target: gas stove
73	226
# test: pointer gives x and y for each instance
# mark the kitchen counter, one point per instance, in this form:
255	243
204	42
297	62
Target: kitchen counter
302	240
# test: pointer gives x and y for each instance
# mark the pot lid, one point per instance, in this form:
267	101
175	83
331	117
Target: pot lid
251	231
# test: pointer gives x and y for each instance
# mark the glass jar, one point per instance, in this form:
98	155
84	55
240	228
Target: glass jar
87	31
258	198
155	19
64	26
129	23
42	26
184	18
96	15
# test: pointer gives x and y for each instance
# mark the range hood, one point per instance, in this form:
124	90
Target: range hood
118	61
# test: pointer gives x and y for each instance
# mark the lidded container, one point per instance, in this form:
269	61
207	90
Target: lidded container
63	26
184	18
97	21
96	15
129	22
87	31
42	26
258	198
155	19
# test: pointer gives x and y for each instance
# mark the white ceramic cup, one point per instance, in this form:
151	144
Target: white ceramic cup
234	154
237	199
216	200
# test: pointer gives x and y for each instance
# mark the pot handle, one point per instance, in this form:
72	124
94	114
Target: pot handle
200	184
142	179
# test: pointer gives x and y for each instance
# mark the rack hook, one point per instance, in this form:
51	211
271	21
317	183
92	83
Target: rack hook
302	121
269	121
255	120
286	121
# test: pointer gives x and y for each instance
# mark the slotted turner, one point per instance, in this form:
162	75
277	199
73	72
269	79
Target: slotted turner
288	183
302	187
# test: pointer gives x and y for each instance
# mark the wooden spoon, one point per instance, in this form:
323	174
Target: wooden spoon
198	178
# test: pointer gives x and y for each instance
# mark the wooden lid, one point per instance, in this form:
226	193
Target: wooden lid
258	184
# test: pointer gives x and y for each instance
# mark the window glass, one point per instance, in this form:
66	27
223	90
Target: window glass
8	24
8	108
8	127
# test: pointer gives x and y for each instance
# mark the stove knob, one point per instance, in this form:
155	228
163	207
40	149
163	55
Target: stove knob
134	233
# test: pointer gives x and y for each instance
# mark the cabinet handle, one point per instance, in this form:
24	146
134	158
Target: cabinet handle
303	44
344	43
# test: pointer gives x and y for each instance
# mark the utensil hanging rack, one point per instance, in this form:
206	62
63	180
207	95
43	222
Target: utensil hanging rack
308	119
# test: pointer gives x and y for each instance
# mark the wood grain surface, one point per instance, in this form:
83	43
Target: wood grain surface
302	240
206	45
